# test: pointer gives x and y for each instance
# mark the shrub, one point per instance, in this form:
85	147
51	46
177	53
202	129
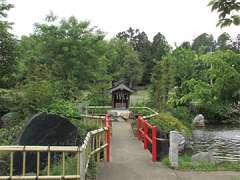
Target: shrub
166	123
181	113
8	136
36	95
62	107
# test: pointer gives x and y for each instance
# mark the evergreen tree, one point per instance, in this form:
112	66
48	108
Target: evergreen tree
7	48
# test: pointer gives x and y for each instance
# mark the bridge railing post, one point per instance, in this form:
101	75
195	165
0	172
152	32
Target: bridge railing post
139	124
107	124
82	164
145	134
154	143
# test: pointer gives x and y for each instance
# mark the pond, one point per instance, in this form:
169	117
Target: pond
223	141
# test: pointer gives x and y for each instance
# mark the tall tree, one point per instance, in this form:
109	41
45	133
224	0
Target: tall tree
184	65
224	41
236	44
142	45
72	51
204	43
125	63
160	46
7	47
186	45
162	82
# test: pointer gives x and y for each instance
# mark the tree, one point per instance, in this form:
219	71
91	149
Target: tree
203	44
125	63
7	48
236	44
162	82
133	69
217	93
227	10
224	41
185	45
142	45
73	52
4	6
184	65
160	46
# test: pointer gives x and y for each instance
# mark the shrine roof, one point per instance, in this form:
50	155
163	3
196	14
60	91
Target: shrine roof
120	86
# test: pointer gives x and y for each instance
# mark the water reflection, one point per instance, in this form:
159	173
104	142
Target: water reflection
224	142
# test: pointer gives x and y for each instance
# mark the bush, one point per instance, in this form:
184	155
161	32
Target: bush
8	136
62	107
166	123
183	115
36	95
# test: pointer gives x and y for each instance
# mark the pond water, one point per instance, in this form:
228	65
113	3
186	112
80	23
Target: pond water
223	141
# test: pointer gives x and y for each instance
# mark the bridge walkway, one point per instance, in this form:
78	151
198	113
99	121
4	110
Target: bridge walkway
128	159
130	162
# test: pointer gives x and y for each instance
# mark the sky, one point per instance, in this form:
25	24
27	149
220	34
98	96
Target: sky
177	20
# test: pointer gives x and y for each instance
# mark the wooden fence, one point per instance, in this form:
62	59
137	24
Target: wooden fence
146	112
96	145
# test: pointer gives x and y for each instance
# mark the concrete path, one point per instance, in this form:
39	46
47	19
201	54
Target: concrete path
129	161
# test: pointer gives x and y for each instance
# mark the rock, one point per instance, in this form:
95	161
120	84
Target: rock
204	157
116	113
44	129
177	143
199	121
9	119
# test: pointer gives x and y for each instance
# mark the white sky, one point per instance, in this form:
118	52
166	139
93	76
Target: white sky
178	20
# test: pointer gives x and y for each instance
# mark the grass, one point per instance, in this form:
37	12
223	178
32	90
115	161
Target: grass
139	97
185	163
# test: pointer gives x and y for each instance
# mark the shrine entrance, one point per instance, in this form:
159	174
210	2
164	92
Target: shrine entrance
120	96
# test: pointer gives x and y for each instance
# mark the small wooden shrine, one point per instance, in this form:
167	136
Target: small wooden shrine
120	96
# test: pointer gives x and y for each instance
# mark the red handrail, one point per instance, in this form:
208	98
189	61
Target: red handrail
107	124
142	131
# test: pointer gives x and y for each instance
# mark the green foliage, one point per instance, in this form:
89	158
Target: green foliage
125	62
8	45
227	10
4	6
149	52
215	90
61	107
182	113
186	164
72	51
166	123
224	42
204	43
32	96
98	94
159	47
162	83
8	136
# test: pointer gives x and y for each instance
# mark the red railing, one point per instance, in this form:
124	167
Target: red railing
142	131
107	124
